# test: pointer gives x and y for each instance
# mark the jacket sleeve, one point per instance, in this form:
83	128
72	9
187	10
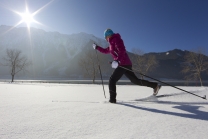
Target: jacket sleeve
103	50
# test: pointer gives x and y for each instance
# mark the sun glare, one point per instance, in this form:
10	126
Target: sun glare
27	18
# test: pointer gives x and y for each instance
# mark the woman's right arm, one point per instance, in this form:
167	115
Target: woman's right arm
103	50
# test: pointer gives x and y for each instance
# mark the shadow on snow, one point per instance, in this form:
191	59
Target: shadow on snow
194	110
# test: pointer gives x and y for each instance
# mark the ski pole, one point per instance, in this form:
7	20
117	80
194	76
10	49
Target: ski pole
100	72
165	83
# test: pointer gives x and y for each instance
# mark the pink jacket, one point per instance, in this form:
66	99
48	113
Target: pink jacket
117	50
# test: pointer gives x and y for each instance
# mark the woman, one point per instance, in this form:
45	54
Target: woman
122	64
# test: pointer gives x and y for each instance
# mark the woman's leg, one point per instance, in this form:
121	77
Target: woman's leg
117	74
132	77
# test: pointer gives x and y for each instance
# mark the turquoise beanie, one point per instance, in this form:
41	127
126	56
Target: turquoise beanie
108	32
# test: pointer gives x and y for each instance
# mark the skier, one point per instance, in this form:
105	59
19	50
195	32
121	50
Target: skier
121	59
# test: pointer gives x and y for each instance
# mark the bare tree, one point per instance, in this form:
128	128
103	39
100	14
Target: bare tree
195	64
15	61
89	64
144	63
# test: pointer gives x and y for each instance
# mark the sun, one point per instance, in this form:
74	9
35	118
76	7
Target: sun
27	18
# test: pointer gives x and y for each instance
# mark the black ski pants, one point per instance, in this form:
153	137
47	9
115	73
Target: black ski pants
119	72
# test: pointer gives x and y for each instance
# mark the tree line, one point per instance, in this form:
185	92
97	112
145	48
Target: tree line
194	65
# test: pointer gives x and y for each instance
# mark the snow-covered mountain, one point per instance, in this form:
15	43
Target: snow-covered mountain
49	52
170	65
55	55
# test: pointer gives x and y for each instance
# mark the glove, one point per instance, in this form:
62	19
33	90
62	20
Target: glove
94	46
114	64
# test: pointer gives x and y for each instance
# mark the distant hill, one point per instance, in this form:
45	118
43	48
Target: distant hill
55	55
169	64
51	53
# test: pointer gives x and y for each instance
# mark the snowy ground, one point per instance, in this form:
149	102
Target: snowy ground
61	111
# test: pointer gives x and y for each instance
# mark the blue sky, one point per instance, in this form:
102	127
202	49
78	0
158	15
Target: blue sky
150	25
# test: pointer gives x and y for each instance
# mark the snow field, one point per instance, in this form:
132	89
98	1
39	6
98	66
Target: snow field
61	111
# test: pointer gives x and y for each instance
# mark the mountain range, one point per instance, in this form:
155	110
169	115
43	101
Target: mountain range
55	55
